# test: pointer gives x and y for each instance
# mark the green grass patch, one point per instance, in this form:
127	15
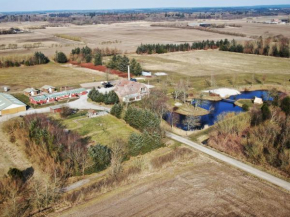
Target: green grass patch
102	130
68	37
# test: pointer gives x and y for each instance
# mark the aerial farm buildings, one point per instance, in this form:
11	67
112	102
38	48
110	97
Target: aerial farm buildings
57	96
10	105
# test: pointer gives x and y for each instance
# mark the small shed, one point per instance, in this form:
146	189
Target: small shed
258	101
146	74
92	113
56	109
6	89
30	91
47	89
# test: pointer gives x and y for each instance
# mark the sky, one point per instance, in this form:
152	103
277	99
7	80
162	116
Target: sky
35	5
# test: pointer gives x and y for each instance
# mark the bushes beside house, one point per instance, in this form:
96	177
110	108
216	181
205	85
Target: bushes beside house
107	98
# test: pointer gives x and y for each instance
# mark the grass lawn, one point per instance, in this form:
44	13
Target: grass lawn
101	130
19	78
188	109
242	102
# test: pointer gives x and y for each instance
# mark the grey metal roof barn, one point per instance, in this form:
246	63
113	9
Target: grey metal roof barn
7	100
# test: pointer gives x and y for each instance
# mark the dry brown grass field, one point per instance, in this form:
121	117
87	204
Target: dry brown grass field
127	36
253	27
229	69
39	75
193	186
123	36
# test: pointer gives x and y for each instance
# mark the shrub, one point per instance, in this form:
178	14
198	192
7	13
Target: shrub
117	110
65	112
60	57
108	98
285	105
266	113
15	173
143	143
101	156
245	107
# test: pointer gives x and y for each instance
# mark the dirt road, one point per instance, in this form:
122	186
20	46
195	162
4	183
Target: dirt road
272	179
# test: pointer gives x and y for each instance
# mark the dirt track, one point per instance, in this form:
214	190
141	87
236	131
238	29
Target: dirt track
207	188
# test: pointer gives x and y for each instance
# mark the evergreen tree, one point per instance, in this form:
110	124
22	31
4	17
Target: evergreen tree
98	60
101	156
123	63
266	113
285	105
60	57
117	110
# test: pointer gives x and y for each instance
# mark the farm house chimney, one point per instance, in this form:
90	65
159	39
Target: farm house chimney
129	78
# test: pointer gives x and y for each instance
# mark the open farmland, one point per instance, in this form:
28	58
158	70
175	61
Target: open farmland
123	36
19	78
198	186
198	66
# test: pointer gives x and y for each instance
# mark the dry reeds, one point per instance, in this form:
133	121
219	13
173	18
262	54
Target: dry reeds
159	161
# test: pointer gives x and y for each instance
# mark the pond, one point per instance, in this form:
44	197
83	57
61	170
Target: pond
217	108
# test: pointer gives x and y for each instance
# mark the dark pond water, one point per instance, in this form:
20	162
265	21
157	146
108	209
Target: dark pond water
224	106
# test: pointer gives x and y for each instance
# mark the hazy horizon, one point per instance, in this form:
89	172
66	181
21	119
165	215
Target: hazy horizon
53	5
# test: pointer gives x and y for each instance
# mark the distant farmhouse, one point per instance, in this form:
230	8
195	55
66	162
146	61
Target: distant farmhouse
10	105
57	96
130	91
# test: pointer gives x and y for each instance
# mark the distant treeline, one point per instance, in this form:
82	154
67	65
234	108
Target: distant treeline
277	46
37	59
166	48
9	31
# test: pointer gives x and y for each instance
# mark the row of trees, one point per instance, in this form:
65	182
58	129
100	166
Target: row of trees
107	98
121	63
87	54
37	59
272	46
261	136
149	124
165	48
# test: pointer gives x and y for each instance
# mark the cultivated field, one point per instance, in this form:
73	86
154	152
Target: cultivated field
198	186
252	27
123	36
39	75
